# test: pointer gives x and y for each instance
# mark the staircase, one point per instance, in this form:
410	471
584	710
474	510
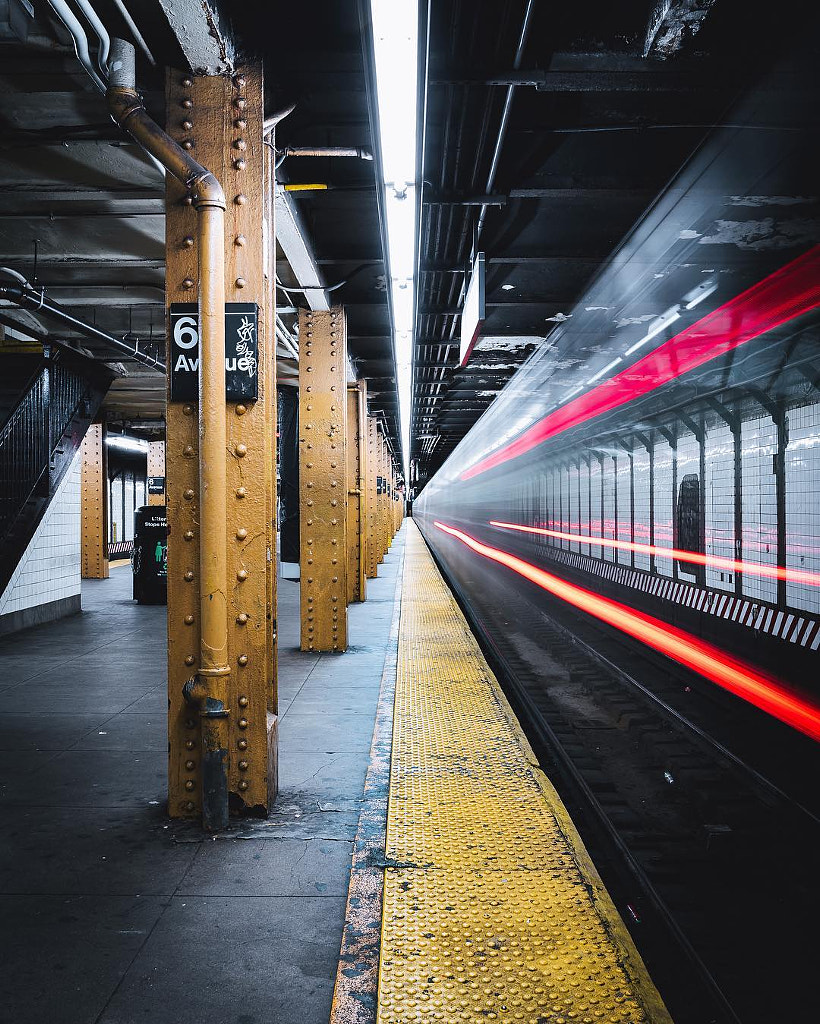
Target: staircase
46	406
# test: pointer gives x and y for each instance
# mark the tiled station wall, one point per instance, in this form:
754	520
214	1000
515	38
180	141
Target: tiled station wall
49	570
610	494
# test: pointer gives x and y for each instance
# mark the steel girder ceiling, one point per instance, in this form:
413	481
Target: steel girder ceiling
607	102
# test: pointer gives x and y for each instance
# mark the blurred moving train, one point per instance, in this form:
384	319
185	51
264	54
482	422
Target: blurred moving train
655	465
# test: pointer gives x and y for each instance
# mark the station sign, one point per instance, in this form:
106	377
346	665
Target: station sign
241	351
474	310
156	485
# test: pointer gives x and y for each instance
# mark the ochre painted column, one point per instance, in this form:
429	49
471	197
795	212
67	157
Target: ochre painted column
156	470
268	370
381	454
221	120
323	479
394	496
372	470
94	505
356	491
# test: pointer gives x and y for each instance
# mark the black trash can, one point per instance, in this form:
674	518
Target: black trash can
149	560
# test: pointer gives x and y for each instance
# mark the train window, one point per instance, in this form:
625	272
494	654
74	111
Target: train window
687	518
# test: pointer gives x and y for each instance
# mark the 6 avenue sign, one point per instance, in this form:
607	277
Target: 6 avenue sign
241	351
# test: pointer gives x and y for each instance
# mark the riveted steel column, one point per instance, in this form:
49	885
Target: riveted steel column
372	470
249	254
356	488
395	496
382	524
94	504
220	121
323	479
156	468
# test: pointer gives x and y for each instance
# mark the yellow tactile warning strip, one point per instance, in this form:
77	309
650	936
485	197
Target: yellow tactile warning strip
492	909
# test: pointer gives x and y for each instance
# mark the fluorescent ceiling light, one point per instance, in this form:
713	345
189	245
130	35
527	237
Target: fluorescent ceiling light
126	444
697	295
395	51
606	369
659	325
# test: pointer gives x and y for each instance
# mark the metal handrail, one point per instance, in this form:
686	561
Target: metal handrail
33	432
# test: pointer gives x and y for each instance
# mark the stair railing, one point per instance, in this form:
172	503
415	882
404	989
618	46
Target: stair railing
33	432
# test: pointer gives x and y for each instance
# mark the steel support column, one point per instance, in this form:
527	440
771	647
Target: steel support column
372	498
356	491
156	468
94	504
220	119
396	520
384	542
323	479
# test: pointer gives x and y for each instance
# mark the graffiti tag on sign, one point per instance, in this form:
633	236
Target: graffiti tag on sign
241	351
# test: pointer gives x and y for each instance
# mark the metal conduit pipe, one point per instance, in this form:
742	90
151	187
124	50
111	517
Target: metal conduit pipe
499	143
93	20
135	32
208	690
354	151
505	114
287	339
271	122
26	297
71	22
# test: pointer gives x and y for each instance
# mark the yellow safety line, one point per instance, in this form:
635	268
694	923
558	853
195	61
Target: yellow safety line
493	910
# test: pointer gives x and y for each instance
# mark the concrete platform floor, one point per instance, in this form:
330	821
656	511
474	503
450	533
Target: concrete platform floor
112	914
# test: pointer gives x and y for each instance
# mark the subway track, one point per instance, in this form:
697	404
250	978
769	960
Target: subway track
710	860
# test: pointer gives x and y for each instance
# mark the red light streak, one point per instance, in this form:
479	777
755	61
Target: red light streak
775	572
787	293
721	668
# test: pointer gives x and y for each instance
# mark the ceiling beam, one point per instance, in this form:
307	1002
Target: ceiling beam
202	35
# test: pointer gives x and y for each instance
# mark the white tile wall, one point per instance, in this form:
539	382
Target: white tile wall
583	485
758	443
663	499
595	524
720	503
574	512
803	504
624	528
580	498
640	473
608	484
50	567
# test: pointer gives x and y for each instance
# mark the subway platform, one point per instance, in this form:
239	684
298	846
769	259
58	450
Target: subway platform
471	897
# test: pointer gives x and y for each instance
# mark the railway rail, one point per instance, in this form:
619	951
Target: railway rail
709	859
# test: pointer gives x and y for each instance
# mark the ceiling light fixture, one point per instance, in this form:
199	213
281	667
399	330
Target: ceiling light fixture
127	444
395	48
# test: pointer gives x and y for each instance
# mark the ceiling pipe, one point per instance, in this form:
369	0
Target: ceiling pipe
505	114
135	32
25	296
75	29
271	122
72	24
499	143
321	151
289	343
207	691
104	42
